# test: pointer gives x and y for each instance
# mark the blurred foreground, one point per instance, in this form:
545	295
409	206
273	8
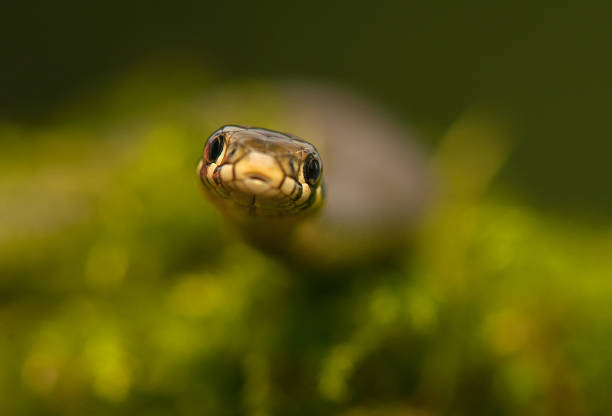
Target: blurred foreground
121	293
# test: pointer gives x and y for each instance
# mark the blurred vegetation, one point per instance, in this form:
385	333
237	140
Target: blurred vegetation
122	293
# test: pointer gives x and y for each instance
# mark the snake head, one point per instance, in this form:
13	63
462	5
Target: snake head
259	172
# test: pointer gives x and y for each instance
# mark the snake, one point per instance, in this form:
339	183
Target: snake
257	172
349	186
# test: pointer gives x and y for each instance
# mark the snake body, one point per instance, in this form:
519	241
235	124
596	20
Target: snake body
350	186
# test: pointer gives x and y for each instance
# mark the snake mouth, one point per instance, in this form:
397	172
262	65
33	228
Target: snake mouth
258	177
257	184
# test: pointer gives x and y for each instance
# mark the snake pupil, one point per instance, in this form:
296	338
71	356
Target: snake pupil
312	170
215	147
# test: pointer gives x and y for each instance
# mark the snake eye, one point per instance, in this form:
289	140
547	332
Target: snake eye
214	148
312	170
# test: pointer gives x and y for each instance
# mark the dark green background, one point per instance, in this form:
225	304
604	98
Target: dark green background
122	293
545	65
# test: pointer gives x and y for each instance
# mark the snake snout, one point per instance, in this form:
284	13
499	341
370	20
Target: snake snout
259	173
